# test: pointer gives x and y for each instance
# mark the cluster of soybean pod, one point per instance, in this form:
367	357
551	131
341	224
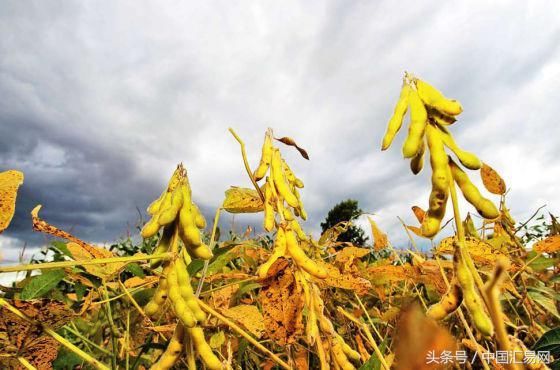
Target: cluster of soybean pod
282	203
431	114
282	199
182	222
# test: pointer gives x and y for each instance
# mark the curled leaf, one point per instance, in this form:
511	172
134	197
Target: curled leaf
419	213
291	142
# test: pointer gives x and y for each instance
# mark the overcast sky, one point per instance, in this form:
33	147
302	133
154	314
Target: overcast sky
100	101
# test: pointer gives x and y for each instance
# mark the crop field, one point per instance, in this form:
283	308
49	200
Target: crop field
192	296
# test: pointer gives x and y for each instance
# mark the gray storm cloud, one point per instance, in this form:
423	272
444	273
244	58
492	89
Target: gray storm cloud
100	100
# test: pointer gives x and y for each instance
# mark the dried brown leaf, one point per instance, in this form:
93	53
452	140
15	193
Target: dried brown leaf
26	338
548	245
492	180
44	227
291	142
282	304
242	200
9	184
419	213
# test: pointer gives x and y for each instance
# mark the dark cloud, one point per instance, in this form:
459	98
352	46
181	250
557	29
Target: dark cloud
101	101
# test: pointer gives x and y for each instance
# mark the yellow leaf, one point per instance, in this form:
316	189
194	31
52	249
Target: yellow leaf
348	254
548	245
249	317
101	271
481	251
282	305
242	200
415	230
135	281
346	280
332	234
217	340
492	180
380	240
9	184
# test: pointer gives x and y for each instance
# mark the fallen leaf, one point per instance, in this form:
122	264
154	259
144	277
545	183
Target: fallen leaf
492	180
242	200
9	184
291	142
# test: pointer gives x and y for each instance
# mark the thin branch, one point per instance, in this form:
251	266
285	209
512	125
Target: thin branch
247	167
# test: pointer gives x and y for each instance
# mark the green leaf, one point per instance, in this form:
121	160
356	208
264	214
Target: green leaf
545	302
80	290
195	266
245	288
541	263
61	246
66	360
40	285
217	340
373	363
550	342
135	269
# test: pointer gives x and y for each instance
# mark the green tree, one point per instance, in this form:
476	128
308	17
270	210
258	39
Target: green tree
346	211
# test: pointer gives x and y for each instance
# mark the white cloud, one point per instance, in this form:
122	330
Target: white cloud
100	101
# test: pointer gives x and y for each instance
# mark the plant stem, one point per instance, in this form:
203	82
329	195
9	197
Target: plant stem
244	334
207	262
247	167
100	261
369	337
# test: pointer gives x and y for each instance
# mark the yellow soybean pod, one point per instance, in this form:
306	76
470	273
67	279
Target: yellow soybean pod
434	98
203	349
395	123
418	121
484	206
